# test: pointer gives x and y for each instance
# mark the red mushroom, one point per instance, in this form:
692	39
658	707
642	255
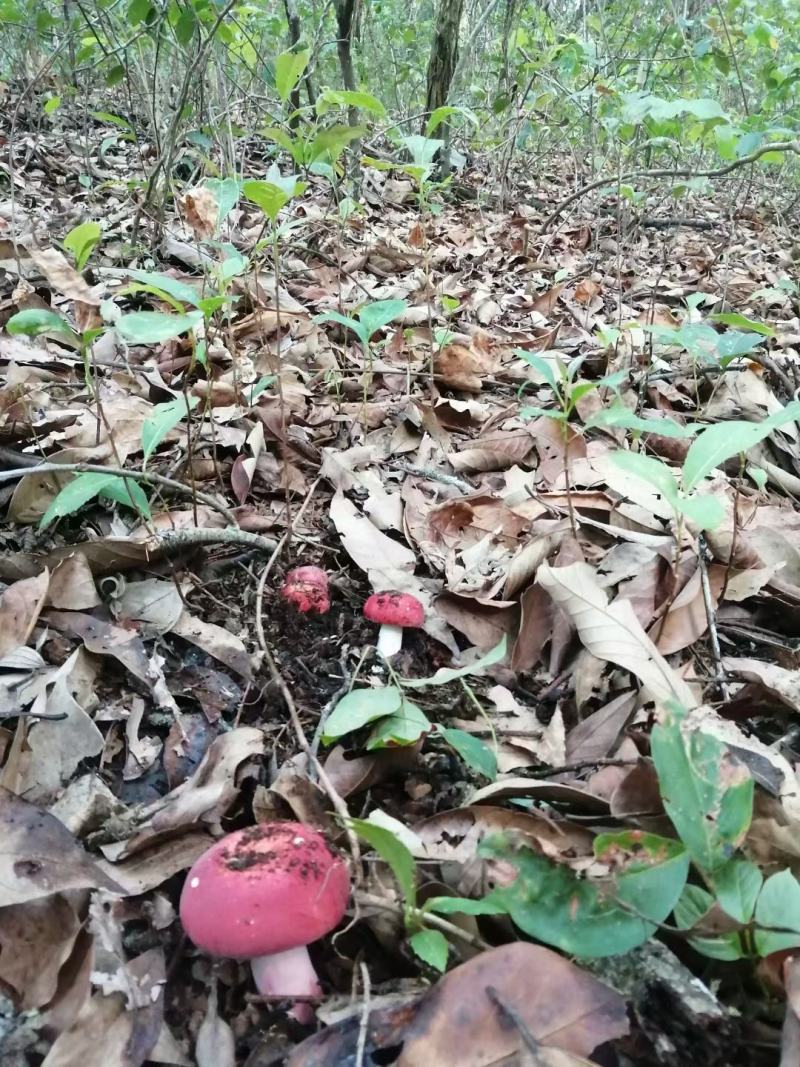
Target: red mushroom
394	611
307	589
263	894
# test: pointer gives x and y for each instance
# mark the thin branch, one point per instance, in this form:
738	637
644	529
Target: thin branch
664	172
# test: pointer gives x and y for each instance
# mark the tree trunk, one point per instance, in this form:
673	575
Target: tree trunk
344	26
444	54
293	19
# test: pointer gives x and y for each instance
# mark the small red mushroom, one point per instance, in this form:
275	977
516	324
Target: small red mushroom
263	894
307	589
394	611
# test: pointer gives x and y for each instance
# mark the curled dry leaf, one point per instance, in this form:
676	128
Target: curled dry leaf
612	632
20	606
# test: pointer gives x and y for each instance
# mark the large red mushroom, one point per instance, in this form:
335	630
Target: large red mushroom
394	611
263	894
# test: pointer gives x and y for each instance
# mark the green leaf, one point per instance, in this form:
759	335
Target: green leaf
778	906
152	327
588	916
619	415
650	470
451	674
732	344
343	320
719	443
432	948
375	316
164	283
706	512
359	707
394	852
541	366
737	885
79	491
329	98
289	68
128	492
733	318
35	321
463	906
333	141
707	795
442	114
81	240
226	192
472	750
693	905
52	104
422	149
269	197
164	418
404	727
138	11
185	26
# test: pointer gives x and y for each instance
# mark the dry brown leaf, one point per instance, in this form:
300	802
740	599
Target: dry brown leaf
367	546
36	939
40	856
612	632
63	277
72	585
216	641
200	209
20	606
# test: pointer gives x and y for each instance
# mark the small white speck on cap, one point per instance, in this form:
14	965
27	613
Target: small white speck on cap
195	882
298	840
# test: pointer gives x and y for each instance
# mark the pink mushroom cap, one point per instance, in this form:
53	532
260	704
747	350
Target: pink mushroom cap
307	589
394	609
260	891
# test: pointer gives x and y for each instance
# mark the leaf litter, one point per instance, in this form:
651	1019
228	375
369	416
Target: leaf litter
473	469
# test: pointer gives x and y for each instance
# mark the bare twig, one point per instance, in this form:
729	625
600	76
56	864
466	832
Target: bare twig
665	172
435	476
711	616
363	1026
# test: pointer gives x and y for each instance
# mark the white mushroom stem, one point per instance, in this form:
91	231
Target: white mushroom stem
288	974
390	640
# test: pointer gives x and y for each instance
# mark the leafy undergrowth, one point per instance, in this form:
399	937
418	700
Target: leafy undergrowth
573	789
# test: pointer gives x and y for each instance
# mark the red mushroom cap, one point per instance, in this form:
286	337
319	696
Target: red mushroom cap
394	609
307	589
266	889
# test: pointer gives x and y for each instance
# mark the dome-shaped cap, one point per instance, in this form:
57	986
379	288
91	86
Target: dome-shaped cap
266	889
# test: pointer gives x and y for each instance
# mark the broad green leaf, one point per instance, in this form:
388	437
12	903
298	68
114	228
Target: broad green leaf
472	750
164	417
705	512
619	415
778	906
422	149
164	283
226	192
343	320
115	120
442	114
329	98
541	366
432	948
333	141
289	68
737	885
274	193
694	904
81	240
593	916
128	492
380	313
291	145
394	852
138	11
52	104
733	343
35	321
650	470
733	318
79	491
452	674
359	707
707	795
463	906
404	727
719	443
152	327
185	26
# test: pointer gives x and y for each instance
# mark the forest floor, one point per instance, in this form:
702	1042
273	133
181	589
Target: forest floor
156	690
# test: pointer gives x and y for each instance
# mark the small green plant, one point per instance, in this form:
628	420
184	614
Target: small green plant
561	377
430	945
399	721
368	320
639	879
